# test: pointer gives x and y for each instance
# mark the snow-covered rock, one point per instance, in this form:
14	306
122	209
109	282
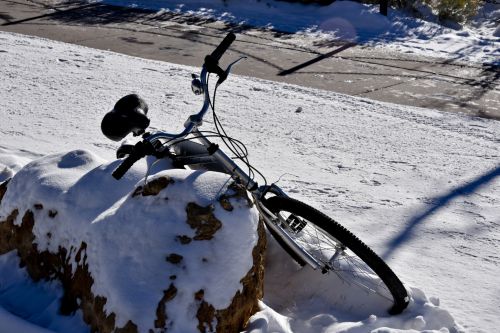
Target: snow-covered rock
181	252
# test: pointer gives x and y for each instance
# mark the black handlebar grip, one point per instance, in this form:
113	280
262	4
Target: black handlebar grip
126	164
140	150
223	46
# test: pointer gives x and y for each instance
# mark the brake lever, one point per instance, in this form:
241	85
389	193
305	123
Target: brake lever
228	70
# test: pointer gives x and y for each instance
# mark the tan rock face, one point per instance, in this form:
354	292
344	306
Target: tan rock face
230	319
77	283
153	187
202	220
241	309
237	191
3	189
43	265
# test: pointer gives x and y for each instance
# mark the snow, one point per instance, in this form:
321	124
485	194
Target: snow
309	302
477	41
11	163
125	266
419	186
37	303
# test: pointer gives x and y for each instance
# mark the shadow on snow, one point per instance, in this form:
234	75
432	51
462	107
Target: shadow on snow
439	202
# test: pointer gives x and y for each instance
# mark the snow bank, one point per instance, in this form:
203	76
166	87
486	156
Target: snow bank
136	244
11	163
309	302
39	303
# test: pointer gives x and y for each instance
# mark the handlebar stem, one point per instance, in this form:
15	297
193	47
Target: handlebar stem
193	121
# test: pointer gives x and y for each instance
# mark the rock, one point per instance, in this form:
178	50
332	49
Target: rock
174	258
183	239
8	233
153	187
161	316
202	220
213	277
3	189
234	191
228	320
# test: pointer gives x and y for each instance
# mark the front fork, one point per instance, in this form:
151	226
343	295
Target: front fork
273	223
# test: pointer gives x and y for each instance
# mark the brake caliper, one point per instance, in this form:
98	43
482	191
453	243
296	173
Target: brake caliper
295	223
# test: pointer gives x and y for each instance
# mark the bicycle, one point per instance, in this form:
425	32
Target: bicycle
307	235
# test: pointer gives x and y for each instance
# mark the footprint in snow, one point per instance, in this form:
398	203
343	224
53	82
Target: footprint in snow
371	182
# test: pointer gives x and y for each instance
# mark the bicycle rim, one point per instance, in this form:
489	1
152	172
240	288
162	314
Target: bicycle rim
338	250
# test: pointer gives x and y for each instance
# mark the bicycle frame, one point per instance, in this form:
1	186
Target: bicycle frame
215	154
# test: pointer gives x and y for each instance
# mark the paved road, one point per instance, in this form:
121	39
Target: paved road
351	69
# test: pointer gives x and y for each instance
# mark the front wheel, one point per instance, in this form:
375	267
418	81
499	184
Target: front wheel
337	250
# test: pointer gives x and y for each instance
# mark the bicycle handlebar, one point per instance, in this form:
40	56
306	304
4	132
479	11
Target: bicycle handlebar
145	147
212	60
223	46
140	150
125	166
209	66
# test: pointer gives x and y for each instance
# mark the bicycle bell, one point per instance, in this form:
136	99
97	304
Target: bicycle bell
196	85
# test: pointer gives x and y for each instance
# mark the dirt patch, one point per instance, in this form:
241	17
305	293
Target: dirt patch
161	315
184	239
174	258
153	187
202	220
234	191
3	189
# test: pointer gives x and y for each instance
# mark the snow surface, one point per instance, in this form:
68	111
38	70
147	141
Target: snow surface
419	186
476	41
29	307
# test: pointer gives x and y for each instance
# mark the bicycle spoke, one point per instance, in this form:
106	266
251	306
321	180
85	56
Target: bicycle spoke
334	255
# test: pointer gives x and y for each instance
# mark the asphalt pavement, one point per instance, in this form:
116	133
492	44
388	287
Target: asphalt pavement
337	66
